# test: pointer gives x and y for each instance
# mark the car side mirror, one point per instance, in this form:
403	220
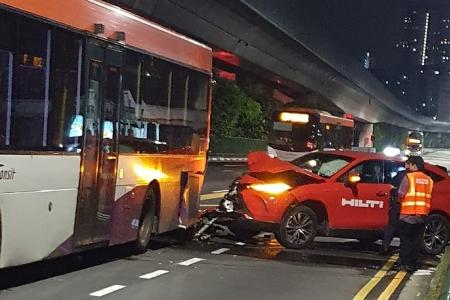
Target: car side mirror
353	179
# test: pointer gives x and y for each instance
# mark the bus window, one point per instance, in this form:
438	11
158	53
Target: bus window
65	101
297	132
6	60
44	67
29	113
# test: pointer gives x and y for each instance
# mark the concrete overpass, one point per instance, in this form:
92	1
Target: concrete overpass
270	35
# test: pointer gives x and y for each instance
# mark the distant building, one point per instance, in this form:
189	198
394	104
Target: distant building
422	77
368	60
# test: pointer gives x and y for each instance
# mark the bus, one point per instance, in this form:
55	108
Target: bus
414	143
297	131
104	125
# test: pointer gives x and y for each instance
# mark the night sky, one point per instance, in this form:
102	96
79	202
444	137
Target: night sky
356	25
365	25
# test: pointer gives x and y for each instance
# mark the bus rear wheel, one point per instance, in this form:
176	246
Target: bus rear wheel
146	222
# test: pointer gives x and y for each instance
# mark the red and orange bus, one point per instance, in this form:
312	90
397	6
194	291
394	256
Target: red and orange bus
104	122
297	131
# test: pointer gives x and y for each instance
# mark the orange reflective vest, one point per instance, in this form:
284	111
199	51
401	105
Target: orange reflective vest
417	200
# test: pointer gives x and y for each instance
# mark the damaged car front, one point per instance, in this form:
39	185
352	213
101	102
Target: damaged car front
258	199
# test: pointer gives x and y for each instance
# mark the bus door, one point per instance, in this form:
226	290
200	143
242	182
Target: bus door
100	150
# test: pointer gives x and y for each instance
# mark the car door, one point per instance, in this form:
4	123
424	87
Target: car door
363	205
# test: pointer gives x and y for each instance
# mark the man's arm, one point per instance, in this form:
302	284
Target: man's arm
404	187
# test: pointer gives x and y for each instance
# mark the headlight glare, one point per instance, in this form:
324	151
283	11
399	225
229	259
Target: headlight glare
271	188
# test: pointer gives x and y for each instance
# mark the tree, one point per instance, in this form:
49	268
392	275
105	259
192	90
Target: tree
234	113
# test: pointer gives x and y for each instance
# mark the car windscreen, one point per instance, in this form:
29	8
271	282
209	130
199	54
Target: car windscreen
322	164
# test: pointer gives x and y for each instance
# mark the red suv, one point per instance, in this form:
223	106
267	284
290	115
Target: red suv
339	193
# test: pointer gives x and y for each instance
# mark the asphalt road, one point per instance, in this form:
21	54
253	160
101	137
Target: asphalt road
257	269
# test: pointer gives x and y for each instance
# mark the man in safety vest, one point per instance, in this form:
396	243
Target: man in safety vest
415	202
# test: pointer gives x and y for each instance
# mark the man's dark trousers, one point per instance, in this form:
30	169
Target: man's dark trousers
410	237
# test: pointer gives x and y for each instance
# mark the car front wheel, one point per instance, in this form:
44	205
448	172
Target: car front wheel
436	234
298	228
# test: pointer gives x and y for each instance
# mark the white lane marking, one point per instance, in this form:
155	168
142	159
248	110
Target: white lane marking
220	251
154	274
240	243
423	273
234	165
212	196
190	261
226	170
208	205
106	291
220	191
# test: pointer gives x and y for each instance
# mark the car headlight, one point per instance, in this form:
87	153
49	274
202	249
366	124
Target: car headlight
271	188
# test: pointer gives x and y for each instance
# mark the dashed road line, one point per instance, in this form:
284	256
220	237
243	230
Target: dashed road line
220	251
234	165
211	196
220	191
239	243
154	274
106	291
191	261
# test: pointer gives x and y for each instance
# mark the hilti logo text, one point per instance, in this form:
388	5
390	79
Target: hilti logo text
362	203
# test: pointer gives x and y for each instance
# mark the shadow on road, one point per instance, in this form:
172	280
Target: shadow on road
16	276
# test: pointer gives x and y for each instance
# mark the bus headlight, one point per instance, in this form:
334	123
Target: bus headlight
271	188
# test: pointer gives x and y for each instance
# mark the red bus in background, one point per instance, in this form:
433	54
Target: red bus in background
104	124
297	131
414	143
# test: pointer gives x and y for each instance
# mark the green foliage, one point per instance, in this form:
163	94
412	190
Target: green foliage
236	114
389	135
235	145
436	140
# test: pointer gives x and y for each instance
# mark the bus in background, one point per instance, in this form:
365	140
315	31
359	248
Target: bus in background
104	124
414	143
297	131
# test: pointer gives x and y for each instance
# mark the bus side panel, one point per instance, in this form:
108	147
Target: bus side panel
37	206
196	167
127	209
135	172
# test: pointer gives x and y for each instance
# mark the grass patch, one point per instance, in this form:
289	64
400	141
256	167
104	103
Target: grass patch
439	287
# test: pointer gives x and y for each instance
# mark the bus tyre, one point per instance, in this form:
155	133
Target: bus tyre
436	234
146	222
298	228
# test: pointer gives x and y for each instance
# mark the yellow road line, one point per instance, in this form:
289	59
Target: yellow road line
390	289
211	196
362	294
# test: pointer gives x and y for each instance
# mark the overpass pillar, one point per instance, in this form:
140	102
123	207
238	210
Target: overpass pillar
365	135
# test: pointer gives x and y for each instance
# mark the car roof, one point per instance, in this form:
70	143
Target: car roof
361	155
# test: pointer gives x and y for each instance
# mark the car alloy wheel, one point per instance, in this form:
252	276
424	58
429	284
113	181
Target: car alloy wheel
298	228
435	236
